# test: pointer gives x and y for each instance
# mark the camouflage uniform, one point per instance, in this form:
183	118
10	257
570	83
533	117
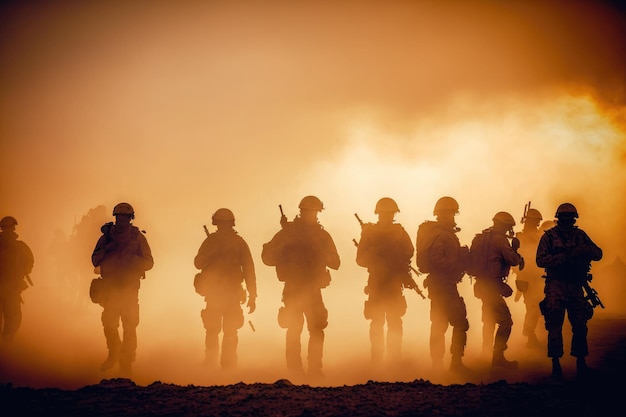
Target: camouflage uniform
301	252
122	255
386	251
447	259
16	262
566	255
226	262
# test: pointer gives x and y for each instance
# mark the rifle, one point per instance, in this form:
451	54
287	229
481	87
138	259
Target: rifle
526	207
283	218
30	281
591	294
415	287
206	230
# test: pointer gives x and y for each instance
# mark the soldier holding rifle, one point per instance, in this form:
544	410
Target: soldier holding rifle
566	252
385	249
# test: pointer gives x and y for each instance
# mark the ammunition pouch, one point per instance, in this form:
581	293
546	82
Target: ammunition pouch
99	291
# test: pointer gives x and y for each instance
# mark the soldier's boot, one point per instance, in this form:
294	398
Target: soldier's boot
499	361
111	360
582	370
557	371
457	365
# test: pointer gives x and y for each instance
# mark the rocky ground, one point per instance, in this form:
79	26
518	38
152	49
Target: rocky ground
532	395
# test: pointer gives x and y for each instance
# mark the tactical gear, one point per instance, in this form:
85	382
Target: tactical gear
311	202
446	203
222	215
123	208
566	208
533	214
386	204
8	221
504	217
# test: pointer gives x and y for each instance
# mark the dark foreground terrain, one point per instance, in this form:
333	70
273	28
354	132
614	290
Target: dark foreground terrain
600	394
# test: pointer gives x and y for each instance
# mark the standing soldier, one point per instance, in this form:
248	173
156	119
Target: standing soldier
566	252
226	262
301	252
529	283
385	249
440	254
16	263
497	256
123	256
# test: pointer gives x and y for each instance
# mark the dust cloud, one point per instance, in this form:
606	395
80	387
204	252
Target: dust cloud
180	110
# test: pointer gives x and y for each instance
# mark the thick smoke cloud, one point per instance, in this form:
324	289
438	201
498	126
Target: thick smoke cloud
183	109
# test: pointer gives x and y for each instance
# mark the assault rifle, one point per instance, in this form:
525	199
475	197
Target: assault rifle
591	294
414	284
206	230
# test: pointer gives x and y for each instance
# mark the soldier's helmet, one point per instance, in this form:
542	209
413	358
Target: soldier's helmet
386	204
533	214
446	203
124	208
310	202
504	217
222	215
8	221
566	209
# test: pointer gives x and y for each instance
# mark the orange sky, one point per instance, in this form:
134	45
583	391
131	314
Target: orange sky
182	109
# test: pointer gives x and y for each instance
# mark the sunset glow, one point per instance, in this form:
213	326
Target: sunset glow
180	110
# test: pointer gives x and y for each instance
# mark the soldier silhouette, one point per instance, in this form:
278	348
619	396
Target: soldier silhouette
302	251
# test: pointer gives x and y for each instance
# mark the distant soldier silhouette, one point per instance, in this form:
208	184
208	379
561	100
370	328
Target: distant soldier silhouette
566	253
529	282
498	256
16	263
123	256
446	261
80	245
226	262
301	252
385	249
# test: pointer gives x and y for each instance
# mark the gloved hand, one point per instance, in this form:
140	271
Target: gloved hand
515	244
521	263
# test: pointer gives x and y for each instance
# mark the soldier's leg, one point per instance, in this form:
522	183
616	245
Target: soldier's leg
12	317
211	319
110	324
438	327
503	332
377	332
233	321
295	321
130	321
317	321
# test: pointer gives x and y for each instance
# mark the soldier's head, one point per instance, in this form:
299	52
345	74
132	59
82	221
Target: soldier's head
123	213
8	223
309	207
566	215
223	217
532	218
503	221
386	208
446	208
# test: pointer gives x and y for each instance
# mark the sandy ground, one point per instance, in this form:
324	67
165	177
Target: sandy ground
526	392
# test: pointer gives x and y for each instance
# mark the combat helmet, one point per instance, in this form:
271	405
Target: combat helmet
8	221
566	208
124	208
386	204
310	202
532	214
446	203
222	215
504	217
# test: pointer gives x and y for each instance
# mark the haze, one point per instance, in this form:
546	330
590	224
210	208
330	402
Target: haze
180	109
